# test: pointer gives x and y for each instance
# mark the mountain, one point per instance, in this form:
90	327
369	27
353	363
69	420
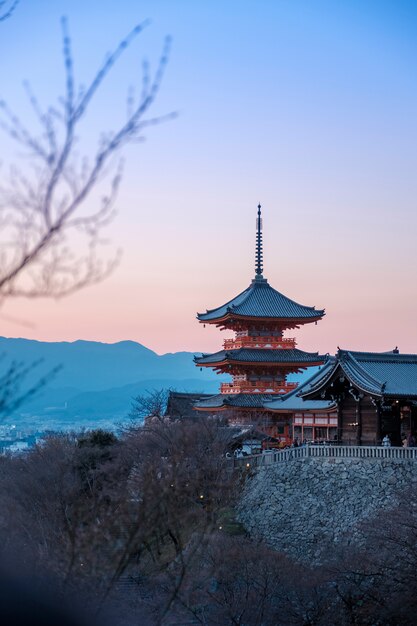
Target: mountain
96	380
94	366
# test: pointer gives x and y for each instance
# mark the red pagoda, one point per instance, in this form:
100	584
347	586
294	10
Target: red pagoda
259	358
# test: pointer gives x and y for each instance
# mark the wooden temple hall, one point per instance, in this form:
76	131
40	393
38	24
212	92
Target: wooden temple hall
375	395
354	397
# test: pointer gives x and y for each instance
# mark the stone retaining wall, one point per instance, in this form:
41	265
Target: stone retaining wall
306	507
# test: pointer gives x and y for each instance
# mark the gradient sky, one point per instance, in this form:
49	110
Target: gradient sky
307	106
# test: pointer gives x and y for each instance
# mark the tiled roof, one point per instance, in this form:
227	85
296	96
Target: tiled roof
261	355
378	373
388	374
240	400
181	405
293	402
261	300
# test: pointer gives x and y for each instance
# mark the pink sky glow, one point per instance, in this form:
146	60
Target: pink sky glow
309	108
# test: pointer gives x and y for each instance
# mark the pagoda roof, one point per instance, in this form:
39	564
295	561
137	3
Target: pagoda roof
237	400
382	374
293	401
291	356
261	301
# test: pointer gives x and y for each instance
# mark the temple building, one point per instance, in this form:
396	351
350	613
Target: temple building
375	395
311	420
259	358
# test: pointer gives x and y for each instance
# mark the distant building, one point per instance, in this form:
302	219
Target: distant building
259	358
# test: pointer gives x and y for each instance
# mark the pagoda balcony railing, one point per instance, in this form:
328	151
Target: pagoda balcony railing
282	343
258	387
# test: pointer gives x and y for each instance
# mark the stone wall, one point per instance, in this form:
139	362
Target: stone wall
307	507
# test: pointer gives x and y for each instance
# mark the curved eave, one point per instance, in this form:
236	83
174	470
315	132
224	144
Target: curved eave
230	316
243	401
372	389
225	407
212	409
359	368
275	364
330	409
371	386
315	389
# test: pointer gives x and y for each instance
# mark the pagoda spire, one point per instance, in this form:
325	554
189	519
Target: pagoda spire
259	253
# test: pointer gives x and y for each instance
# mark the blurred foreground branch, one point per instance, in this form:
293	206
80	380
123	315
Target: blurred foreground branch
7	7
50	224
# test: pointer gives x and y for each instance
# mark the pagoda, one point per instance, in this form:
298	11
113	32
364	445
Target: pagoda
259	358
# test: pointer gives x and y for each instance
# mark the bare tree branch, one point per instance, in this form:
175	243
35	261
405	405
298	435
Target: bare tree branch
7	8
44	218
13	392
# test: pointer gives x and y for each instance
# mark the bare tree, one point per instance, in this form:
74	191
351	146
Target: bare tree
151	404
88	508
44	214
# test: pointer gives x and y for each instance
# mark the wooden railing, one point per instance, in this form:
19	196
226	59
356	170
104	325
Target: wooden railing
261	387
304	452
276	343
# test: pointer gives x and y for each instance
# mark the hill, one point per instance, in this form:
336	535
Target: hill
96	381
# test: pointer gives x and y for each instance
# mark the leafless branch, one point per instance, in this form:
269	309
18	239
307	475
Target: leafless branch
45	212
13	390
7	8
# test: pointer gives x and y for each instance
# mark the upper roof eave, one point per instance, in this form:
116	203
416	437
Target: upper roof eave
261	301
265	318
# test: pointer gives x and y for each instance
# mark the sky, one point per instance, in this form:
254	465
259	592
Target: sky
307	107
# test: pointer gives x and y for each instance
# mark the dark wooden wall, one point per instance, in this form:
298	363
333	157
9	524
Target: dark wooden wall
370	419
363	423
358	421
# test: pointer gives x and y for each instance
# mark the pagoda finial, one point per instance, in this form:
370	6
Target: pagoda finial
258	255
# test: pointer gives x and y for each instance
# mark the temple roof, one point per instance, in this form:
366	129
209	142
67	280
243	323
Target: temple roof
261	355
262	301
388	374
239	400
181	405
293	402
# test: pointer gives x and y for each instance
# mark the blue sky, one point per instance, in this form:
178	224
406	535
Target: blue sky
309	107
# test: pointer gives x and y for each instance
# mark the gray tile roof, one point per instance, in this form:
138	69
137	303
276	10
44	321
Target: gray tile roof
181	405
261	355
293	402
240	400
261	300
388	374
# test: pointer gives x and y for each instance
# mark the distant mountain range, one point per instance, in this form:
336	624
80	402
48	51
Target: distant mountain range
97	381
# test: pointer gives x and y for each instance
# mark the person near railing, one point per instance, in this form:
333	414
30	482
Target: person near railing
386	442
